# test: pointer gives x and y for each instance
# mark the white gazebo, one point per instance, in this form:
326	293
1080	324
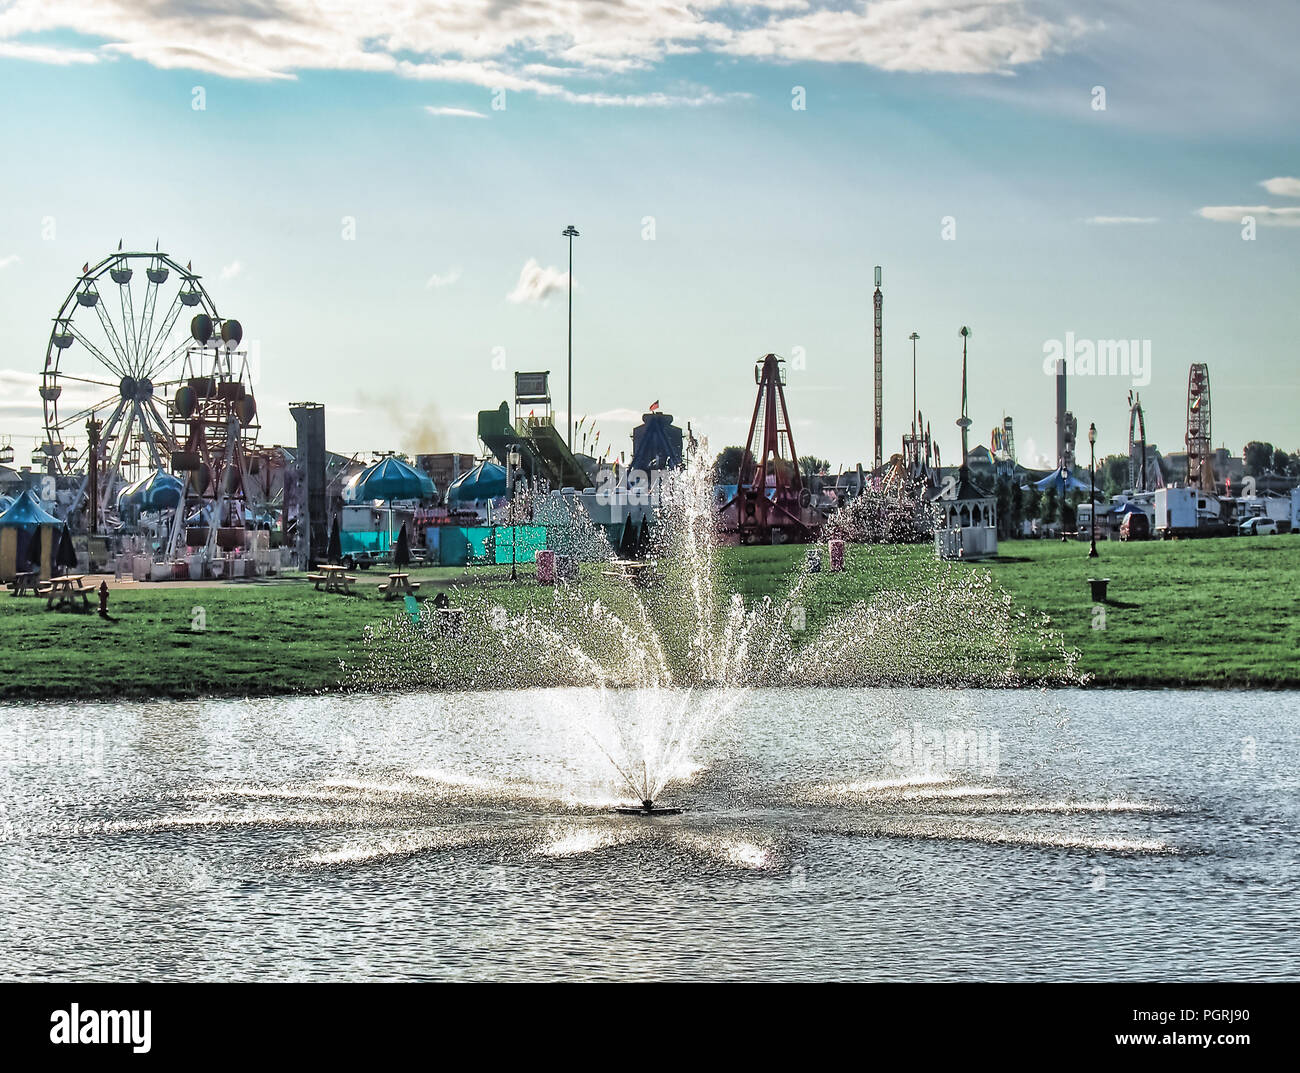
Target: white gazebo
967	526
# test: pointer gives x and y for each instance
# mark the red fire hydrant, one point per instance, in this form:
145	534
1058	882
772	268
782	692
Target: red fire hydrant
103	599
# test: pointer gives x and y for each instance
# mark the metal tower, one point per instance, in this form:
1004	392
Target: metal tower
1200	468
878	457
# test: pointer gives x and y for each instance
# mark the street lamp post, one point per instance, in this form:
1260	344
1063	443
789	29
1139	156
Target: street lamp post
914	337
93	428
513	461
1092	480
570	233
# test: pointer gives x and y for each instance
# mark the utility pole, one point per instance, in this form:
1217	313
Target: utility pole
914	337
570	233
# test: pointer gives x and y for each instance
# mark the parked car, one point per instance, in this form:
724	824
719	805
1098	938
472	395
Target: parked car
1135	526
361	559
1257	527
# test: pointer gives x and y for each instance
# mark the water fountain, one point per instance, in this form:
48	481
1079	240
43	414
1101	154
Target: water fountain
670	661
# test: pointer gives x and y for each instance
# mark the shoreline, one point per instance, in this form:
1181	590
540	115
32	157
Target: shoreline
9	699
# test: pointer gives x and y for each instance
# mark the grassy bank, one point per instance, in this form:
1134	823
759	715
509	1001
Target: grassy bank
1214	613
1189	613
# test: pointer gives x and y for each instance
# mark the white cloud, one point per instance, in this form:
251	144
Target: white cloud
540	46
466	113
1282	186
446	279
952	36
231	270
11	259
1265	215
60	57
1123	219
536	283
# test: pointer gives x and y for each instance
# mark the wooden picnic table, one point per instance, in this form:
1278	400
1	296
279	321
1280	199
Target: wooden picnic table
334	578
25	582
63	591
399	585
629	569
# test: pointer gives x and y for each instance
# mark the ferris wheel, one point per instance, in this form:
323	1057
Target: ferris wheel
116	352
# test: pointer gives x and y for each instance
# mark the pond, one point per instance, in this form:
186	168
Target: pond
920	834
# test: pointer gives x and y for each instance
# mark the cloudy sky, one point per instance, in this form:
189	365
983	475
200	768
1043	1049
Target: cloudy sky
377	191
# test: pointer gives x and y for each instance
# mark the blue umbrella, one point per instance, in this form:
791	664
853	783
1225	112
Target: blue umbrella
487	480
391	478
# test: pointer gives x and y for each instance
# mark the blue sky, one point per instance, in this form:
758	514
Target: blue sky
1114	224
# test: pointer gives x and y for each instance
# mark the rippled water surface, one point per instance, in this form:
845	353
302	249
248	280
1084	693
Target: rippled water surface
916	834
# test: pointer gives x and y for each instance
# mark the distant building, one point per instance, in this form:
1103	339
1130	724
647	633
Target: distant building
445	468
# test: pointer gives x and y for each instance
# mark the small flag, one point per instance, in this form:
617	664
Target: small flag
654	406
85	269
119	245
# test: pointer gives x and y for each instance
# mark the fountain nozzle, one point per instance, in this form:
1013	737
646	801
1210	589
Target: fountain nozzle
647	804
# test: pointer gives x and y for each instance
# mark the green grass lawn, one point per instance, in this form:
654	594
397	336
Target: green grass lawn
1218	612
1198	612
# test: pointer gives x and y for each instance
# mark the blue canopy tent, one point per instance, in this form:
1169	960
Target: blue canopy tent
25	522
388	479
486	481
156	490
1063	481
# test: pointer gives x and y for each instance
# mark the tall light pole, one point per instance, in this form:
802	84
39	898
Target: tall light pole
570	233
514	457
1092	512
914	337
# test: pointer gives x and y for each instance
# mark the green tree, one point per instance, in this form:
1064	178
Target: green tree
726	467
1005	493
1017	520
811	465
1048	507
1258	457
1112	474
1031	502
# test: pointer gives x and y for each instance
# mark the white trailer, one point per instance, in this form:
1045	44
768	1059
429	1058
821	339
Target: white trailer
1176	511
